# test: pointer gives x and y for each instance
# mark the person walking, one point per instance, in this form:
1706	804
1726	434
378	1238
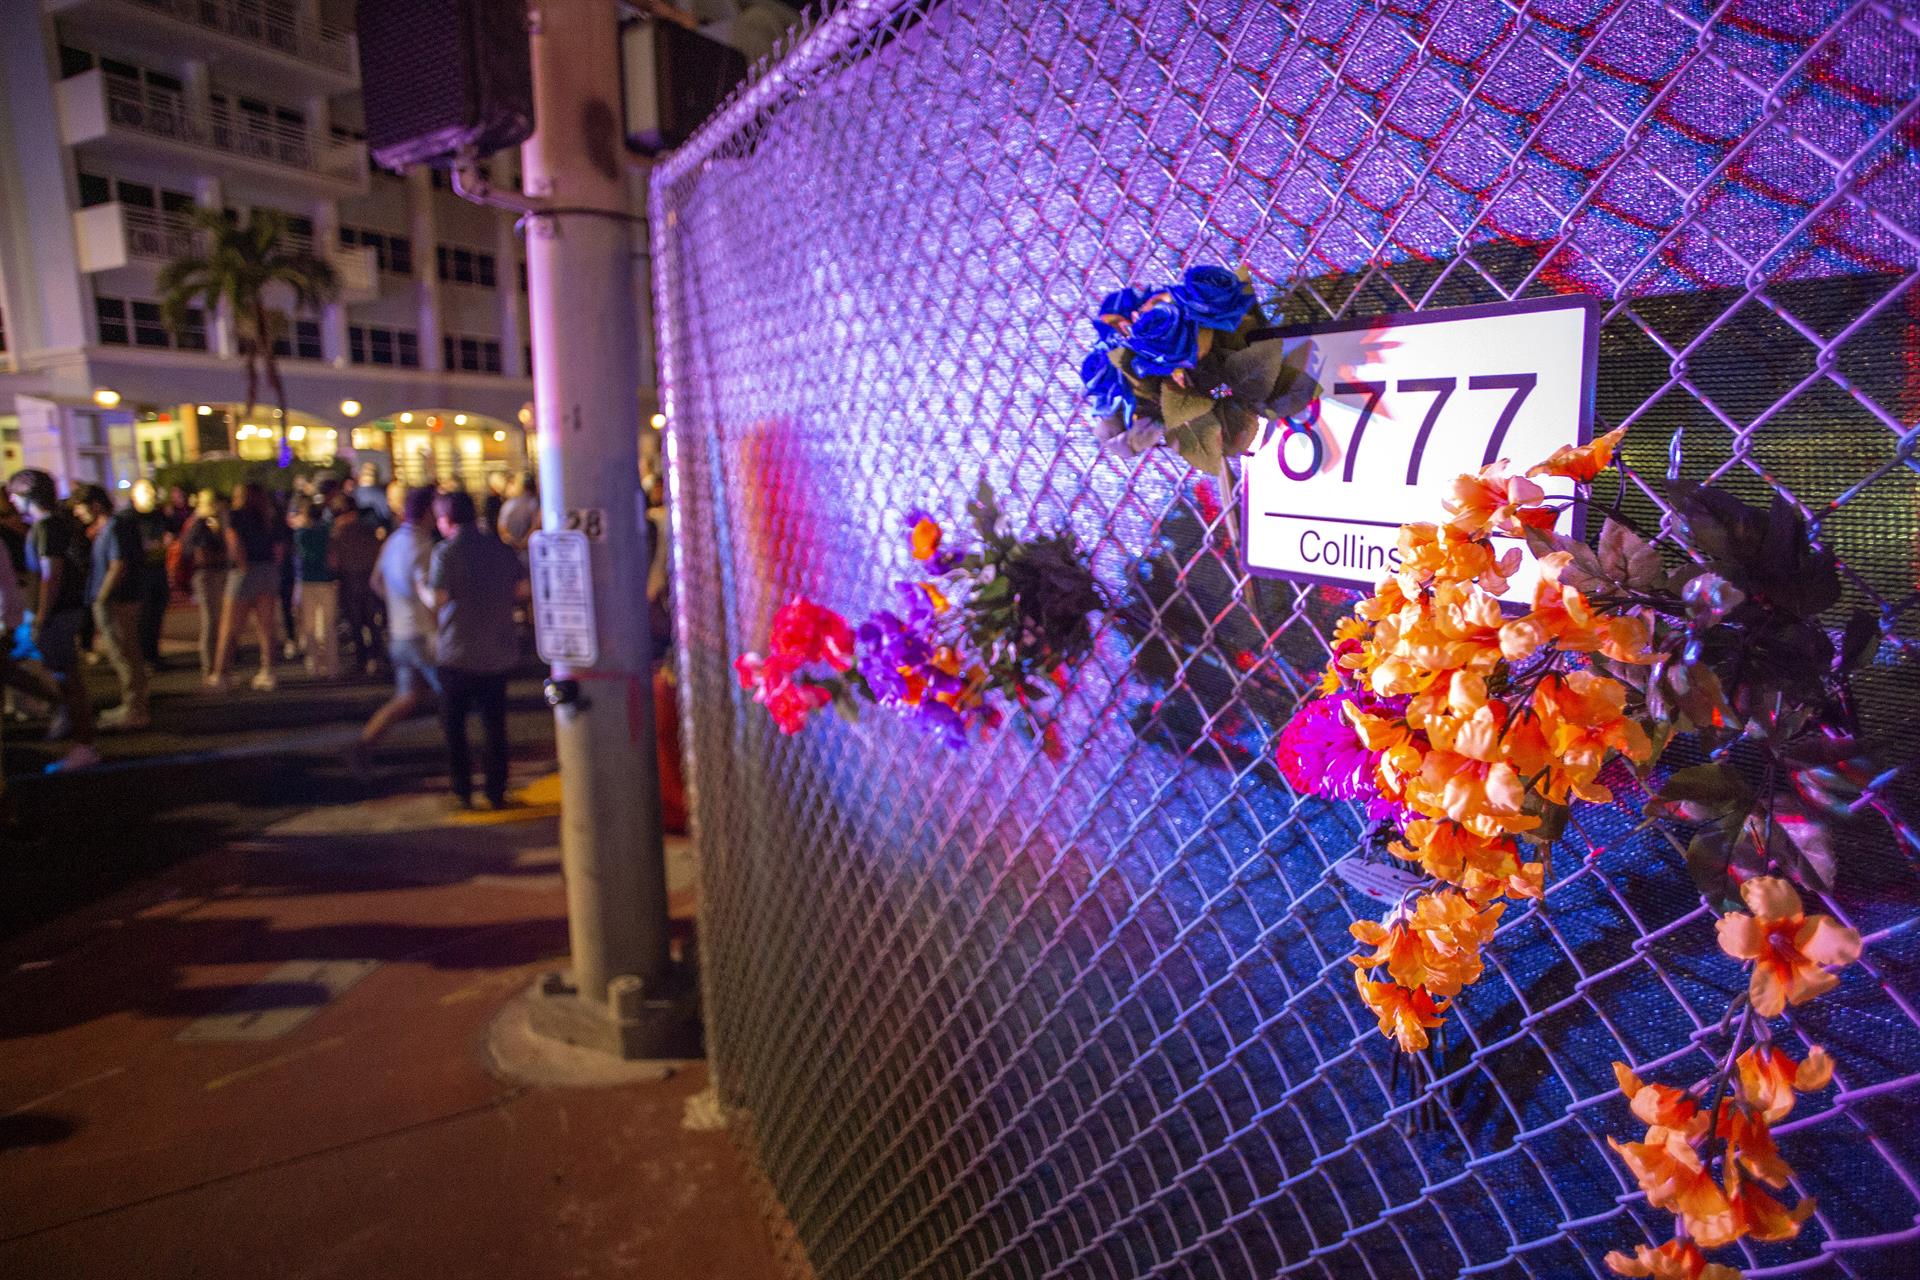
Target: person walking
57	567
399	578
253	583
317	591
475	579
356	550
156	587
203	562
520	514
116	590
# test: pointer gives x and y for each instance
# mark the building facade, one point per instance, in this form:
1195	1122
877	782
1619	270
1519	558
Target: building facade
121	117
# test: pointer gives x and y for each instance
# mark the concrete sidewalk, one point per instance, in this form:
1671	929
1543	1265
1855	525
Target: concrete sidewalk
270	1061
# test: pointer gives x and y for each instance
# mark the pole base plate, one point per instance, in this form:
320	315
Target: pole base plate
634	1024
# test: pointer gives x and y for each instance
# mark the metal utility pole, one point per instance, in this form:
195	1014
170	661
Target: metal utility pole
623	995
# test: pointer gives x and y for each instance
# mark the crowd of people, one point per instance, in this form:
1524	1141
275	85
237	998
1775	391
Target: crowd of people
344	577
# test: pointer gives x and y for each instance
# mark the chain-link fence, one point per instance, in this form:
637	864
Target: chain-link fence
1085	1011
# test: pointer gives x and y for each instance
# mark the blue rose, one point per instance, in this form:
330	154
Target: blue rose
1107	389
1214	297
1121	302
1164	338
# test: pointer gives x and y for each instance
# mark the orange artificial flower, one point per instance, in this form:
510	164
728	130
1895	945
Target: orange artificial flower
1491	501
936	597
926	538
1793	953
1435	946
1661	1105
1670	1171
1769	1079
1581	462
1582	715
1674	1260
1756	1214
1404	1015
1481	866
1750	1145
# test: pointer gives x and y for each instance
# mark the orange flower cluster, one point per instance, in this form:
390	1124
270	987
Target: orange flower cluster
1677	1175
1431	951
1503	719
1792	954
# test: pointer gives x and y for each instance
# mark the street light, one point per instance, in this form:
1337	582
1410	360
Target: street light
659	421
350	408
106	397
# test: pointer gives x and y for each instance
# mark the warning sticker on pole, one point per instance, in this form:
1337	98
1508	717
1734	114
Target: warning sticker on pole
563	597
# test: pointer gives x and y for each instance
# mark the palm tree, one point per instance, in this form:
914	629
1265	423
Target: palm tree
237	265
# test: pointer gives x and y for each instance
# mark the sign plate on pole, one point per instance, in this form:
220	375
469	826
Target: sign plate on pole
1408	402
563	597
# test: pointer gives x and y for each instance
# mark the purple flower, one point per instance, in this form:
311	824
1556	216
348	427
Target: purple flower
1321	754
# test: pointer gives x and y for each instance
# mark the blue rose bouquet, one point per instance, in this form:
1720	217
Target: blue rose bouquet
1177	365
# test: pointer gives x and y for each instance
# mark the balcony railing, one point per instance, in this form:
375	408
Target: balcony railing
153	233
274	26
164	114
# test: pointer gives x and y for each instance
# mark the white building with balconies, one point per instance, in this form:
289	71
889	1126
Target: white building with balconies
121	116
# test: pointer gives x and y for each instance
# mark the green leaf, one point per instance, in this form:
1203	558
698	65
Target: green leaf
1629	559
1860	641
1700	794
1256	372
1239	426
1199	443
1179	406
1710	861
1800	842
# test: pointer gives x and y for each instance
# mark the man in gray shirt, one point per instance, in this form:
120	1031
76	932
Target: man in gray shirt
474	581
400	579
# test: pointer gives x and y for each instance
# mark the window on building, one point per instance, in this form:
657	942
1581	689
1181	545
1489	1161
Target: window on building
137	194
300	342
466	266
408	343
178	202
356	344
399	256
369	344
74	62
193	331
380	346
148	329
3	331
94	190
471	355
110	319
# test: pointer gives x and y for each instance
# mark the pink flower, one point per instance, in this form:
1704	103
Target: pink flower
1320	754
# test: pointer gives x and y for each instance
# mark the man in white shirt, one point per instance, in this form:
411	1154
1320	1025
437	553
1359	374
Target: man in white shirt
399	578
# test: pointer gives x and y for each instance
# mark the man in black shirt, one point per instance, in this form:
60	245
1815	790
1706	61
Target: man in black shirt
57	565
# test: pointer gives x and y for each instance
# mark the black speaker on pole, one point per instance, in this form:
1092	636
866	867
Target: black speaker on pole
438	76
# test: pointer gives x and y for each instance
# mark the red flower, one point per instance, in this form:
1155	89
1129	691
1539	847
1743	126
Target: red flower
805	632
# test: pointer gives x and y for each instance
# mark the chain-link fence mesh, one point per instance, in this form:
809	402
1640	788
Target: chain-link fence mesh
1083	1009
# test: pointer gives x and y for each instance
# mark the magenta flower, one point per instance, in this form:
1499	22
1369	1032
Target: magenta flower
1320	754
